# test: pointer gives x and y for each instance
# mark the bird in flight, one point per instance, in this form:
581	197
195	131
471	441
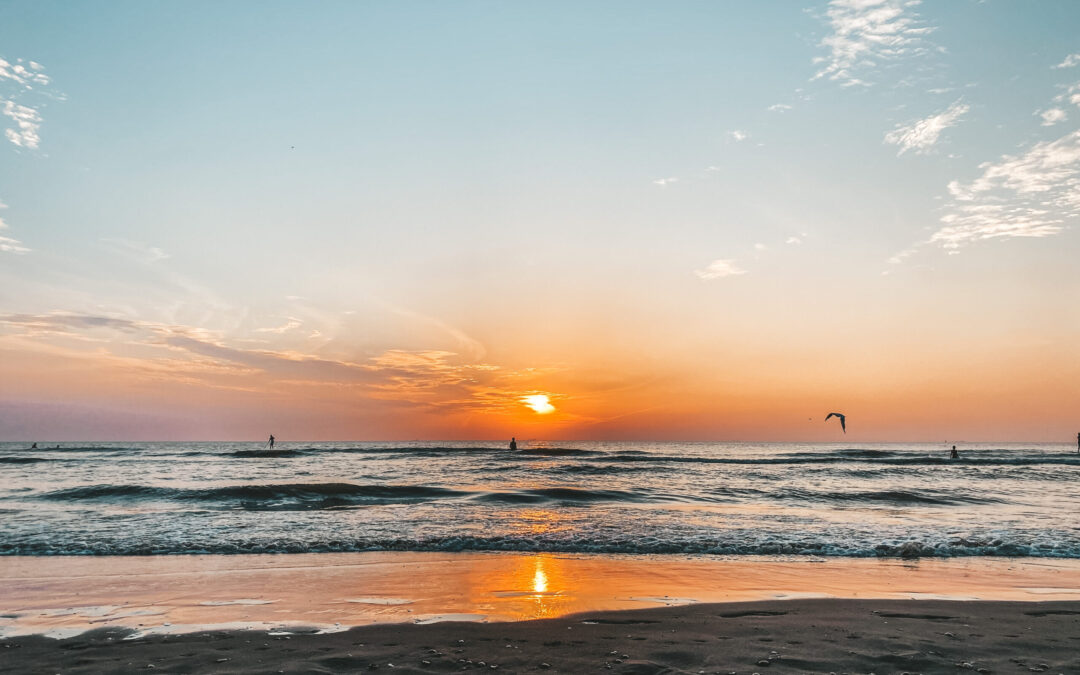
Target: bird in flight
843	420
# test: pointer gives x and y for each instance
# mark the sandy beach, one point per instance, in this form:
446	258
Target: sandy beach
795	636
431	612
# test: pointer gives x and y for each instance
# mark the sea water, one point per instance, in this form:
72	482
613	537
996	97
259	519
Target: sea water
905	499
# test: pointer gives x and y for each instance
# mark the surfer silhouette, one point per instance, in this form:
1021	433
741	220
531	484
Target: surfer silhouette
955	454
271	441
34	446
513	442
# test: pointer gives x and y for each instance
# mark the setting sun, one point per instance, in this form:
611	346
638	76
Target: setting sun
539	403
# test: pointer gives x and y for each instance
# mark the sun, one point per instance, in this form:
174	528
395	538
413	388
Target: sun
540	403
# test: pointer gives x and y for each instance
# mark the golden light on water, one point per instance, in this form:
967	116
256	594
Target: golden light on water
540	403
540	580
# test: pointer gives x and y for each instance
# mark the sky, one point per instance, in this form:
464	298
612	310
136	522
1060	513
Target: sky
603	220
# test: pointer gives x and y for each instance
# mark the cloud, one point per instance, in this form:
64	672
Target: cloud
1070	61
17	80
290	324
866	33
27	122
26	75
760	247
1028	195
1052	116
738	135
922	135
8	244
135	250
778	107
664	182
793	240
424	378
718	269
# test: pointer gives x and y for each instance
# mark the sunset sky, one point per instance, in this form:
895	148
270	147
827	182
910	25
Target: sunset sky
401	220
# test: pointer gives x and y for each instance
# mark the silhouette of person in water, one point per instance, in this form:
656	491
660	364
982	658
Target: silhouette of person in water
34	446
1078	444
271	441
513	442
955	454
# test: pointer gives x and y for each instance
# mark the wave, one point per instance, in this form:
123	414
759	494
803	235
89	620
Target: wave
273	497
24	460
887	459
75	448
894	497
562	495
558	452
267	453
306	496
908	549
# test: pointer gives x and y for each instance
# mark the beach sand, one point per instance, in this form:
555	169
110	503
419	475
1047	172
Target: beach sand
430	612
795	636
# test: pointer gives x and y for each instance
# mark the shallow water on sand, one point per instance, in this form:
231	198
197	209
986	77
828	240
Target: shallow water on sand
699	498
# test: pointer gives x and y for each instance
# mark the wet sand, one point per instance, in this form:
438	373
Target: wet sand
796	636
349	612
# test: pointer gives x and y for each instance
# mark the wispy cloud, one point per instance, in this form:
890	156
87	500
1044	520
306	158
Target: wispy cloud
1052	116
866	33
793	241
1028	195
921	135
27	122
664	182
8	244
290	324
16	80
718	269
1070	61
24	73
135	250
779	107
738	135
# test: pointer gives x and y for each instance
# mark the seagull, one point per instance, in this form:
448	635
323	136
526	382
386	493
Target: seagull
843	424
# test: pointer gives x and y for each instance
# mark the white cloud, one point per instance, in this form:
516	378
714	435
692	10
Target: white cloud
760	247
793	240
289	325
664	182
1029	195
1072	95
20	74
738	135
922	135
8	244
27	122
718	269
779	107
135	250
16	79
1052	116
866	33
1070	61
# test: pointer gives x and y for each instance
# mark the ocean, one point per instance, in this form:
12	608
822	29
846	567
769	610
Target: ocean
866	500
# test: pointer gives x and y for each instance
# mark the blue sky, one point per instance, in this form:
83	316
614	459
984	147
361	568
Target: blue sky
623	189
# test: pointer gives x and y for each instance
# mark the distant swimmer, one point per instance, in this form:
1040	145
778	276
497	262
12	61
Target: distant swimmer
955	454
1078	444
513	442
34	446
843	420
271	441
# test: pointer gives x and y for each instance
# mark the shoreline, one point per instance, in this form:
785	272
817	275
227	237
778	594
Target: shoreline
64	596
